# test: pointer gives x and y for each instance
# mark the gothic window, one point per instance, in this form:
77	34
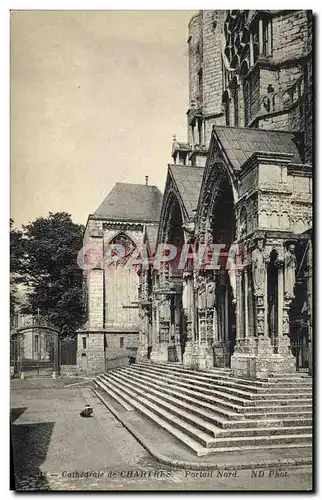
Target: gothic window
243	222
267	38
227	113
237	39
200	86
84	342
121	281
226	106
235	102
246	93
236	108
255	46
119	249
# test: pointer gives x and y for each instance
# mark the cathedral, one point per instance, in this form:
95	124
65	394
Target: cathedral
241	179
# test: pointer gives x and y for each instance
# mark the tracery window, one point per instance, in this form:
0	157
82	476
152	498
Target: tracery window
246	93
226	106
267	38
235	102
119	249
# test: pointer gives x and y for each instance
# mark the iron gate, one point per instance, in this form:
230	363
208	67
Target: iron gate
34	351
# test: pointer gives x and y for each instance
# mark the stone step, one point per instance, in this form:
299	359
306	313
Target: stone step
227	392
215	375
224	373
223	418
189	413
223	400
203	438
175	424
219	417
185	396
290	413
184	393
113	394
181	436
202	424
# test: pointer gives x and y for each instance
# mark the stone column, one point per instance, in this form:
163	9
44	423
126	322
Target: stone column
246	302
239	305
202	354
159	352
189	313
251	50
260	37
280	299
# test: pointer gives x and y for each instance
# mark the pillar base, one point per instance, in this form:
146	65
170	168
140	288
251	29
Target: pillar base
159	353
254	358
142	352
202	357
221	355
187	355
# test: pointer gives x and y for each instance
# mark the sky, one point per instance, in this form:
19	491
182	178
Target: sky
96	97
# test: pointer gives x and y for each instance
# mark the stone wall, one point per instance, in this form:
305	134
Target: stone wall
130	344
290	35
90	359
212	65
95	298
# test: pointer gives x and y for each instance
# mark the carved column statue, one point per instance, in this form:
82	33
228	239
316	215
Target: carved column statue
289	272
189	315
259	284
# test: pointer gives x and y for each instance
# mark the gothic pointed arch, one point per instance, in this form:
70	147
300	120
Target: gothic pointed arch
219	178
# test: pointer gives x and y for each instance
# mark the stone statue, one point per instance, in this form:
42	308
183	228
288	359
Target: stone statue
233	257
289	272
164	308
185	294
210	295
232	280
242	229
258	269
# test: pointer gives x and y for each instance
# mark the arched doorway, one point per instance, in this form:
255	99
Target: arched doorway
168	314
175	236
223	231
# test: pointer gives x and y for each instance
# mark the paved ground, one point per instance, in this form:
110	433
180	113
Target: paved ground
54	448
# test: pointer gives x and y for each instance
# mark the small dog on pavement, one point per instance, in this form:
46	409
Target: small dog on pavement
87	412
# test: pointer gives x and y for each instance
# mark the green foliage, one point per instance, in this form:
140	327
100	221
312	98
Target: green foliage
49	269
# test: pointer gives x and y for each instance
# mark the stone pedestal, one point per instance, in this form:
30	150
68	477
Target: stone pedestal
187	355
142	352
159	353
221	355
254	358
243	359
202	357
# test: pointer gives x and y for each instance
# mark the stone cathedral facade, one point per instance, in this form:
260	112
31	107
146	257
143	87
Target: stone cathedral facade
241	178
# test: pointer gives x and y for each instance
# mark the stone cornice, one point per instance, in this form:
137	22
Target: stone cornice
264	157
123	225
269	63
300	169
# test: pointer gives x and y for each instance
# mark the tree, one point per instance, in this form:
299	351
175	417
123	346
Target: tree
16	265
51	272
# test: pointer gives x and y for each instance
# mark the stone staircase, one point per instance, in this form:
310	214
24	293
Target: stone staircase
212	412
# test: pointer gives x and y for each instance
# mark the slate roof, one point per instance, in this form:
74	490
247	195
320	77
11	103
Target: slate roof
240	143
188	181
131	202
152	235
